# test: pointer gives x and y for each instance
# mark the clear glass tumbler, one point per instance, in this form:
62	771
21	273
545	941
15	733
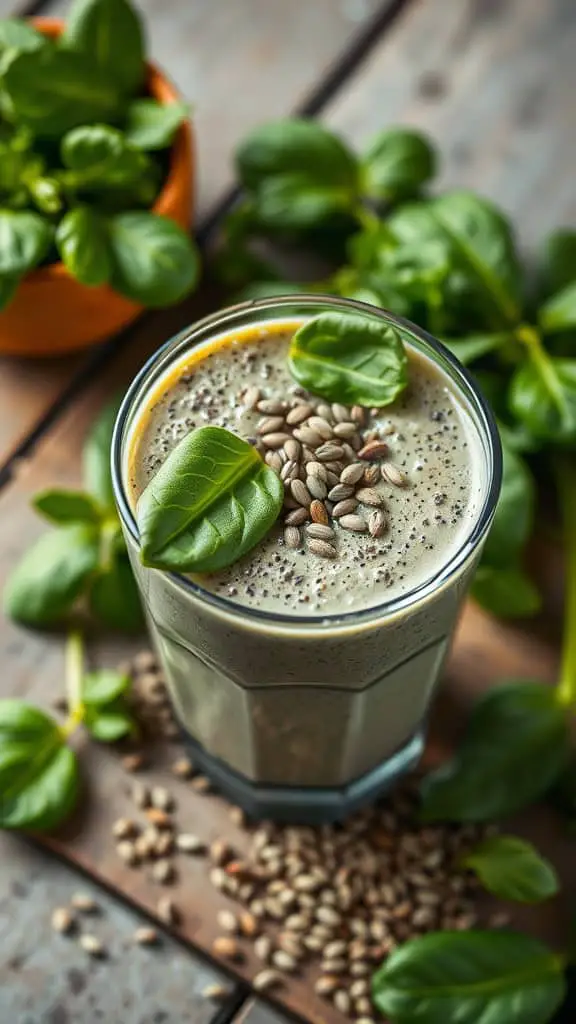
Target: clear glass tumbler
299	718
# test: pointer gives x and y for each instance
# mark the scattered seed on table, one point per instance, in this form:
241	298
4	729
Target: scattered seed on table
140	795
266	980
342	1000
393	474
326	985
227	947
123	828
336	948
237	816
263	948
228	921
284	961
335	966
183	768
145	936
164	844
353	522
300	493
90	944
359	988
132	762
328	916
322	549
363	1005
83	902
359	969
161	798
219	879
215	992
127	852
158	817
163	872
248	924
62	920
201	784
220	852
167	911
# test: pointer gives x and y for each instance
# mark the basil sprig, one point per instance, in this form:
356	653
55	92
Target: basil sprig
80	161
211	502
512	869
39	773
84	557
470	978
349	358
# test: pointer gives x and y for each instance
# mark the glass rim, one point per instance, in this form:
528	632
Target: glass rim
386	608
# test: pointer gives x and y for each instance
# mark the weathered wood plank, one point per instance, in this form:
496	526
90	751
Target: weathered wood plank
491	81
237	64
47	977
258	1013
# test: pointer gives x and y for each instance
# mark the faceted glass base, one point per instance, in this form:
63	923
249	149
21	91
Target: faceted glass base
305	805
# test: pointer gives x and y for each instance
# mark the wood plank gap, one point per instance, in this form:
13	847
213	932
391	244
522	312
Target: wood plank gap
343	67
228	1012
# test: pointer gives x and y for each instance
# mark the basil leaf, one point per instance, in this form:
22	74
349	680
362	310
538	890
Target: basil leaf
98	156
18	36
543	397
51	575
516	745
96	456
297	201
153	260
474	977
53	90
114	597
559	261
111	33
83	246
151	125
295	146
506	592
475	346
512	869
104	686
110	724
211	502
559	312
397	163
38	772
514	518
59	506
350	359
25	239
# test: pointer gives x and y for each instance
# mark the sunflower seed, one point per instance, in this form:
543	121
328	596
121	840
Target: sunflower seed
340	412
289	471
316	469
291	944
228	921
62	920
308	436
355	523
227	947
359	988
201	784
123	828
344	508
365	1020
371	475
352	474
329	452
215	992
159	817
321	426
90	944
164	844
251	398
345	430
167	911
326	985
329	916
340	492
363	1006
298	414
297	517
187	842
163	872
335	966
300	493
126	850
273	460
266	980
132	762
314	943
358	415
220	852
316	486
359	969
320	532
83	902
336	948
376	523
342	1001
393	474
322	549
292	537
283	960
270	406
183	768
276	440
270	425
369	496
293	448
373	451
332	478
161	798
318	512
145	936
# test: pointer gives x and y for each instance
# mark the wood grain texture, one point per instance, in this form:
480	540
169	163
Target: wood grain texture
45	978
492	81
237	64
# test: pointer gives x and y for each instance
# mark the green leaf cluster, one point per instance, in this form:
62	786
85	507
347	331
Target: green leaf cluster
83	157
84	558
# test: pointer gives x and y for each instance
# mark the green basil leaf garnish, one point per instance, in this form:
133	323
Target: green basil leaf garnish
470	977
103	686
211	501
59	506
516	745
38	772
110	724
350	359
512	869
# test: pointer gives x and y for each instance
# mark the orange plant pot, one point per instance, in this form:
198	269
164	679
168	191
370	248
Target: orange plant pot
52	313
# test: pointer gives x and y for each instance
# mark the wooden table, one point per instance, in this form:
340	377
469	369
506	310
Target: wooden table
493	81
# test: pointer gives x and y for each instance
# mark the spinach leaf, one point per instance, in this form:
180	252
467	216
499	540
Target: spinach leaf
350	359
295	147
38	772
98	156
559	261
54	90
505	591
104	686
514	518
397	163
59	506
542	396
474	346
153	260
109	724
82	242
297	201
110	32
96	456
113	596
151	125
475	977
512	869
25	239
51	575
559	312
516	745
211	502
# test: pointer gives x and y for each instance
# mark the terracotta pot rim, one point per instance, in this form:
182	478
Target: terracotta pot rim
162	89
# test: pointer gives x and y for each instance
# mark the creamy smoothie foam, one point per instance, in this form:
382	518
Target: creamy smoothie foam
302	681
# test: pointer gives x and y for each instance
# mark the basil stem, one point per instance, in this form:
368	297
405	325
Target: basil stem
74	660
565	471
